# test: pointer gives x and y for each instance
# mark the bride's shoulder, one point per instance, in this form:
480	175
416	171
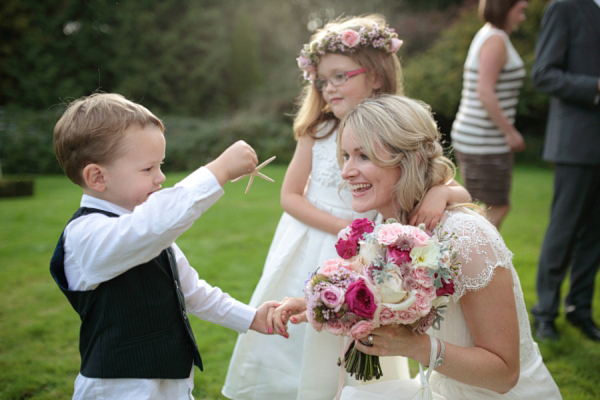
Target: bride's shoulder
466	222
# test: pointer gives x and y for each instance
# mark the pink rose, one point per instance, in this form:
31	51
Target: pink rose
303	62
332	265
407	317
336	327
333	297
422	275
360	299
350	38
361	329
361	226
429	292
346	248
387	316
395	45
397	256
388	233
423	303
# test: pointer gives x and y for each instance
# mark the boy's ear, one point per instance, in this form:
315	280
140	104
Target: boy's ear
93	176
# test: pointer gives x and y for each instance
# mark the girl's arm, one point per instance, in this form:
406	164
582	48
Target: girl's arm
492	58
493	363
292	192
437	198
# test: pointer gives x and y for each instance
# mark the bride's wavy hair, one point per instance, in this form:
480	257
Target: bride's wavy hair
399	132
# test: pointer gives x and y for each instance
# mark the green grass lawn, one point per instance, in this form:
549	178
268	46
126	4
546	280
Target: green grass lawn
227	245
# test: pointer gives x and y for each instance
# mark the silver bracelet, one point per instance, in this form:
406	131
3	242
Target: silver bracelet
440	358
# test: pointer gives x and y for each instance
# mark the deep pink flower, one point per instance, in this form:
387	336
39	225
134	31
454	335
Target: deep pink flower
397	256
360	227
346	248
360	299
446	289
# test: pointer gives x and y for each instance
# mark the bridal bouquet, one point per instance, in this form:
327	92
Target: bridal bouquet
387	273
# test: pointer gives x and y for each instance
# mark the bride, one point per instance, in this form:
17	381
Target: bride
390	151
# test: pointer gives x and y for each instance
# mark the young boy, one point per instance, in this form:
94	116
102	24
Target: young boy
117	262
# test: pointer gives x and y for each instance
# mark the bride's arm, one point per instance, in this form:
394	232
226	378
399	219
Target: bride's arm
493	362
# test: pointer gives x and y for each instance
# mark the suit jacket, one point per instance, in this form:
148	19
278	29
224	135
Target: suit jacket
567	66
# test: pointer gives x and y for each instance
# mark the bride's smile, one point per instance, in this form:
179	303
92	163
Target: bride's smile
372	185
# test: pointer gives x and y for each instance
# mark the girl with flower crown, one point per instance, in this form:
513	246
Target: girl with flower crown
345	62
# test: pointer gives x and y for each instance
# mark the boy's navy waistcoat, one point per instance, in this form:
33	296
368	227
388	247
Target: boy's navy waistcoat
134	325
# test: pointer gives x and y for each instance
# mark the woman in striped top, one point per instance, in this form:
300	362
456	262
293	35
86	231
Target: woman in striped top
483	134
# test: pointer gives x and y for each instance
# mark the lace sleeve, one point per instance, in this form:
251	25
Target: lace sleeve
480	250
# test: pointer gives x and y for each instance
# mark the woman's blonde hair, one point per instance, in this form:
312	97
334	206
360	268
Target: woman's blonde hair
312	108
396	131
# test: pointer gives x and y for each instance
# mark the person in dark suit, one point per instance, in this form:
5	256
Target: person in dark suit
567	66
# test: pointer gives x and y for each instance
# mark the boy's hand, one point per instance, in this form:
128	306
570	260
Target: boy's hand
263	315
291	309
237	160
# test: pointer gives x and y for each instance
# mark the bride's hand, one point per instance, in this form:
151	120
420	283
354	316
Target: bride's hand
396	340
291	309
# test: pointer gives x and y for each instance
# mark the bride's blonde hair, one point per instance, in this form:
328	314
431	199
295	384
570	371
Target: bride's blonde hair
396	131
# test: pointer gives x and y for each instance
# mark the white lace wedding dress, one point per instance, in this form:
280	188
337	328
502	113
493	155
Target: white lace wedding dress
303	366
481	250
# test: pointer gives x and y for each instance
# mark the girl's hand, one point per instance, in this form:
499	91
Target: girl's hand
291	309
431	208
261	318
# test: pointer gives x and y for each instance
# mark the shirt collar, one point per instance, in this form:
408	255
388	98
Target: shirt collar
94	202
597	2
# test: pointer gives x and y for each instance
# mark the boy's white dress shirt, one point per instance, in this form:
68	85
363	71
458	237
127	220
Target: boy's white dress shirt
99	248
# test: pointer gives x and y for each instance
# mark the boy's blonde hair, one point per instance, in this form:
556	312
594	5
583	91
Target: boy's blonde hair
313	110
92	128
404	130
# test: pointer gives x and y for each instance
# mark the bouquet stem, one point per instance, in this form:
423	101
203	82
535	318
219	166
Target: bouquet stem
363	366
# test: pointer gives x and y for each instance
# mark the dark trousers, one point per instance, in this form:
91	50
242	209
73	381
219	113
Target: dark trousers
572	242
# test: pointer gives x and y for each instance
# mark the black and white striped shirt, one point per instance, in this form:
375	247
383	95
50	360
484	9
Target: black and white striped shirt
473	131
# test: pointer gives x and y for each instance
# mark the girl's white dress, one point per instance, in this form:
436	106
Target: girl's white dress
481	250
305	365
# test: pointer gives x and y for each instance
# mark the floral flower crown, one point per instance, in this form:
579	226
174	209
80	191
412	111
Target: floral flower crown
346	41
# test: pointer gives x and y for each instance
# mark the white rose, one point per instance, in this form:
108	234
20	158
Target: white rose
440	301
391	289
369	251
408	301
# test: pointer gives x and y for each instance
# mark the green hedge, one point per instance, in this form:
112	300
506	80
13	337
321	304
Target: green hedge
26	140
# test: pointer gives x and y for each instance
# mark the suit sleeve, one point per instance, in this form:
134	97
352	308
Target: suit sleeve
550	73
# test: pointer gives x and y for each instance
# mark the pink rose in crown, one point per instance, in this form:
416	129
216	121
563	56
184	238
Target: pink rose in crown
360	299
303	62
395	45
398	256
333	297
346	248
361	329
350	38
